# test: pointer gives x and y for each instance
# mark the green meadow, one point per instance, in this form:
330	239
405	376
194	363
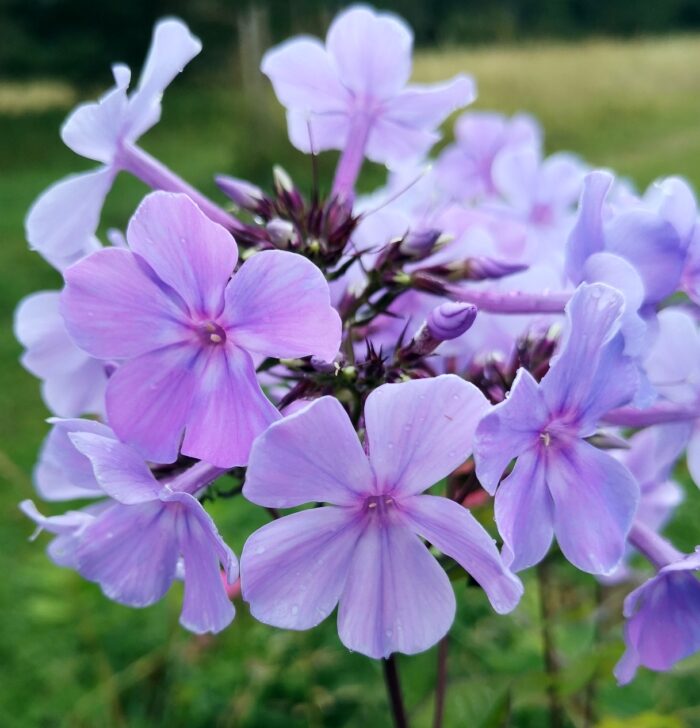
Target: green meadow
69	657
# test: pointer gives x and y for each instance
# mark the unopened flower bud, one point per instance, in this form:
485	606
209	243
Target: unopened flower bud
281	232
420	243
450	320
244	194
481	267
447	321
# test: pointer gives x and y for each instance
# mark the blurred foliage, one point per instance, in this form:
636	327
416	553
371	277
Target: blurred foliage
78	39
71	658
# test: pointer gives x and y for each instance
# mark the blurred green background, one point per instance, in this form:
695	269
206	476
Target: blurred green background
604	81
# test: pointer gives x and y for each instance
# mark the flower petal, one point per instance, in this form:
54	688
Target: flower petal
587	236
372	51
62	472
62	221
397	598
653	246
206	607
311	455
524	513
149	399
451	528
114	307
278	304
172	48
94	130
293	570
427	106
317	132
420	431
509	429
595	500
188	251
119	470
131	552
228	410
590	375
304	78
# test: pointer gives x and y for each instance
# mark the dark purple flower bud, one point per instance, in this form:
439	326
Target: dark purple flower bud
420	243
282	233
287	191
244	194
450	320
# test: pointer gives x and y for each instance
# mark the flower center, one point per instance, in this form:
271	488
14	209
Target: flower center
379	504
211	333
546	438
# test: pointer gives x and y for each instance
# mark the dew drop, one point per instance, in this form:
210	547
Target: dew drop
295	609
260	550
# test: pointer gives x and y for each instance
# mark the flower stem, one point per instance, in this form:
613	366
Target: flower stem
512	301
655	548
551	663
155	174
393	688
351	158
441	682
658	414
196	477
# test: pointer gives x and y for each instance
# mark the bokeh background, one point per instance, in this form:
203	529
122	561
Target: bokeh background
616	81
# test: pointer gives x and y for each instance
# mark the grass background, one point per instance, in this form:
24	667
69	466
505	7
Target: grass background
69	657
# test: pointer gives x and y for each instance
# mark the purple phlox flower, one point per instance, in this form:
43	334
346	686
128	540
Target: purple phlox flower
560	482
465	169
61	223
132	543
186	332
663	619
352	93
644	239
364	550
73	383
651	458
541	192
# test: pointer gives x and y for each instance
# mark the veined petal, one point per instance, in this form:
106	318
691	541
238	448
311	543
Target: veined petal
172	48
509	429
62	221
114	307
188	251
317	132
396	598
149	399
451	528
524	512
595	500
653	246
94	129
293	570
119	470
587	236
131	552
590	374
371	51
278	304
420	431
62	472
304	78
397	145
228	410
313	454
206	606
427	106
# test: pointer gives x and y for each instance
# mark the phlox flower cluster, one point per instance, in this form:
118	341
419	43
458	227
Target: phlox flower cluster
492	321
